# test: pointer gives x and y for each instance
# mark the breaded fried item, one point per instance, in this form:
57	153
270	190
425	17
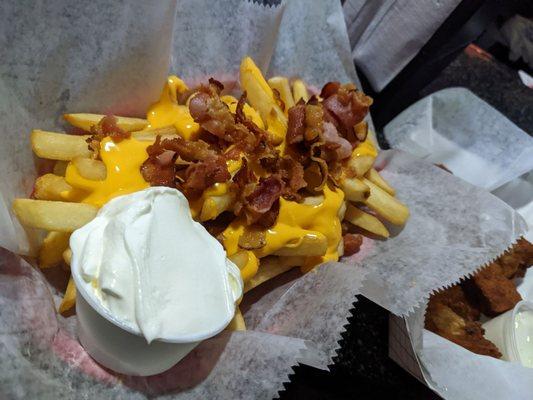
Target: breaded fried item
443	321
453	313
456	298
495	292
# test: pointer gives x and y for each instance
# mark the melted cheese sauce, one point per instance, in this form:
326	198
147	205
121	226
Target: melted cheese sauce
123	161
167	111
296	220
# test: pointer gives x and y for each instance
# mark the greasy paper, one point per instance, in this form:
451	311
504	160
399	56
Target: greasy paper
113	57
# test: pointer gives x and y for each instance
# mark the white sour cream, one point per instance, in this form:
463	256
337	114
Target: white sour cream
146	265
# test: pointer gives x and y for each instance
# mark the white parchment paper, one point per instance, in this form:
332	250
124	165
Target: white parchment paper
458	129
100	56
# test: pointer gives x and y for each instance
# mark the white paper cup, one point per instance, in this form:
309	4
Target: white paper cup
501	331
122	351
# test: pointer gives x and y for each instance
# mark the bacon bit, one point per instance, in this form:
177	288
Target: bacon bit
252	239
166	157
292	173
244	175
329	89
341	147
269	218
348	107
107	126
277	98
313	121
204	174
352	243
265	194
296	124
157	174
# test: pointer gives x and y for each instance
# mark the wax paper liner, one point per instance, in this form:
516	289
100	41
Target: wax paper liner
113	57
458	129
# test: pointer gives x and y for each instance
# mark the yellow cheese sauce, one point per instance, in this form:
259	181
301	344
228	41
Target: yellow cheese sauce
167	111
295	220
123	161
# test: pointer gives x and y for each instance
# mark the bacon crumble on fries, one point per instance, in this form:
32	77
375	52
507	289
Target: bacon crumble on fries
274	172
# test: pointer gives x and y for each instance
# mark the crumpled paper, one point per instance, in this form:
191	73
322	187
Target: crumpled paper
449	369
113	57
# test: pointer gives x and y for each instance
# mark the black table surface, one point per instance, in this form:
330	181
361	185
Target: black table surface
363	369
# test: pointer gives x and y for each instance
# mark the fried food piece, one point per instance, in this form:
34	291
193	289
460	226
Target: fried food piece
457	299
495	292
443	321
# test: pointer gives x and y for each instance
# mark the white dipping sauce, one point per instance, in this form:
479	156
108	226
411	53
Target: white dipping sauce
154	269
524	336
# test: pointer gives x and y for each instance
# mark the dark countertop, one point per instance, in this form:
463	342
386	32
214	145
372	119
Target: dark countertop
363	369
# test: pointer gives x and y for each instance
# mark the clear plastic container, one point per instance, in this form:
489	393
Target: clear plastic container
512	333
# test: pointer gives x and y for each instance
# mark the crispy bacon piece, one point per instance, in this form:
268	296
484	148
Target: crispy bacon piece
267	191
352	243
338	147
348	107
107	126
296	124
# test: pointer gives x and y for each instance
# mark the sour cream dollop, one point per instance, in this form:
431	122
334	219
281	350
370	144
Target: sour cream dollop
146	265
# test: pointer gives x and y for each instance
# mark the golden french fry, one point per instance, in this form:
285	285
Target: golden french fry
150	134
272	266
281	84
86	121
385	205
247	262
365	220
53	215
237	323
89	168
51	251
354	189
299	91
213	206
309	245
359	165
261	98
60	167
67	256
59	146
373	176
50	187
69	299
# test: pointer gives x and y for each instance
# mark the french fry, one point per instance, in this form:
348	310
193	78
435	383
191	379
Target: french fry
237	323
247	263
59	146
69	299
309	245
51	251
261	98
271	267
385	205
67	256
53	215
359	165
60	167
86	121
365	220
213	206
373	176
354	189
299	91
281	84
150	134
50	187
89	168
